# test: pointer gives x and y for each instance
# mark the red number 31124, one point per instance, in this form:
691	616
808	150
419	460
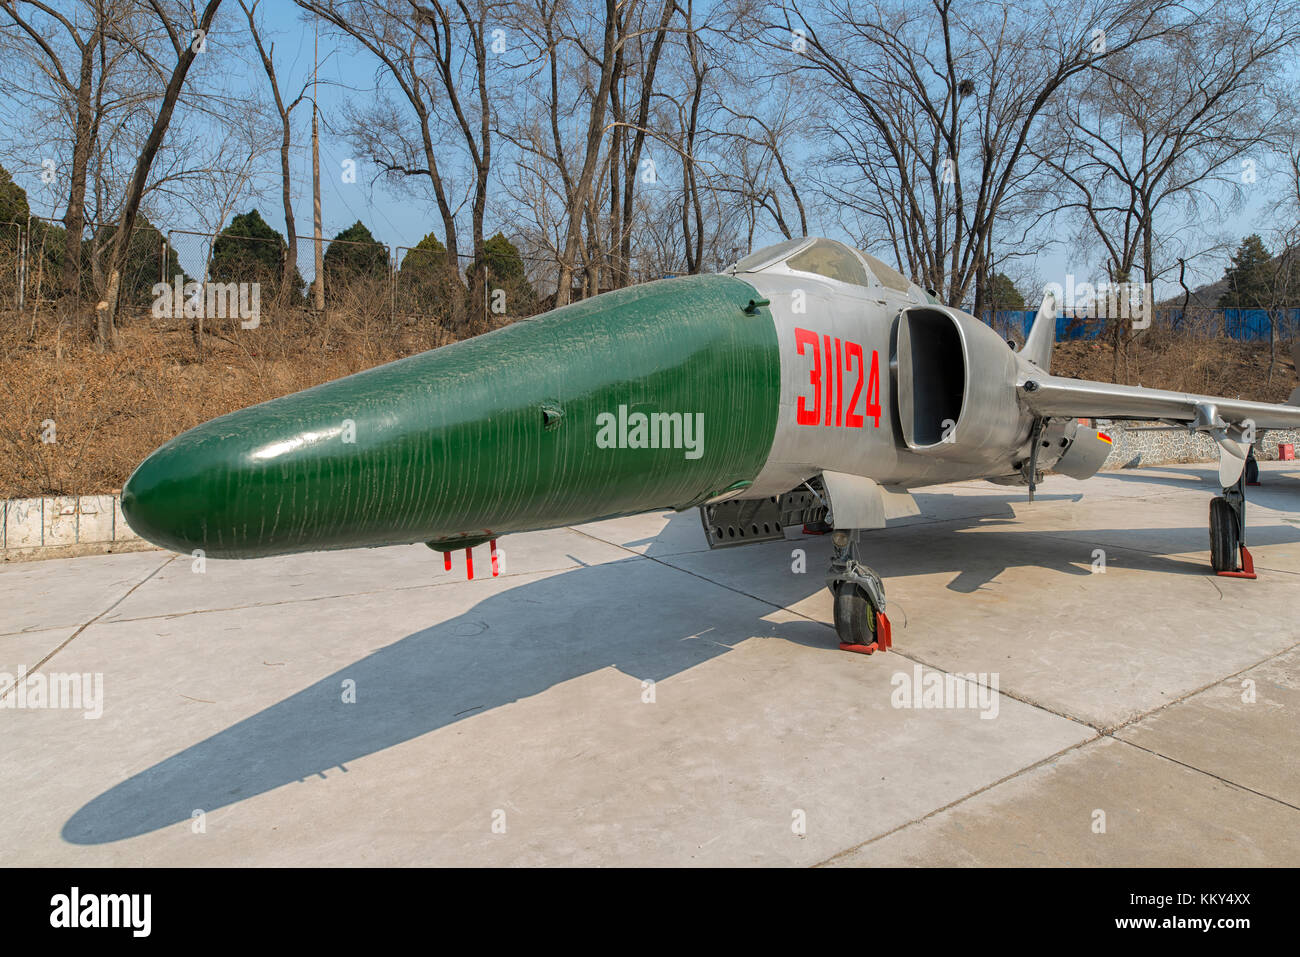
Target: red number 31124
826	404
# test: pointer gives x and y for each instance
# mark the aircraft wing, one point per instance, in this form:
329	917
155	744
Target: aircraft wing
1048	395
1056	396
1232	423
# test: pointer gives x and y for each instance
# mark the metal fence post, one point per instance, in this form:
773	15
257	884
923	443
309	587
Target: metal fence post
23	265
20	266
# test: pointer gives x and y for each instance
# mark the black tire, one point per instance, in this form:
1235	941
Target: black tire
1252	471
855	618
1225	543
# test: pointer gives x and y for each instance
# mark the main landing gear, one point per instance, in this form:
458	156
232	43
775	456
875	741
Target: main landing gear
860	620
1228	533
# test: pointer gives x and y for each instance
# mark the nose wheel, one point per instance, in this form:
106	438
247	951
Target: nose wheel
859	594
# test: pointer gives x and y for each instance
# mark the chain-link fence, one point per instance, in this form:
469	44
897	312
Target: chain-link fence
428	288
226	258
1245	325
43	270
11	238
354	272
42	251
412	285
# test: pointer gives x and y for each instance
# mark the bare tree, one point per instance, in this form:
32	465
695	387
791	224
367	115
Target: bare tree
629	133
448	26
1159	131
284	111
420	47
938	104
80	83
765	177
580	194
186	46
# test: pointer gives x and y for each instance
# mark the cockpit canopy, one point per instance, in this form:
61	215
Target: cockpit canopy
830	259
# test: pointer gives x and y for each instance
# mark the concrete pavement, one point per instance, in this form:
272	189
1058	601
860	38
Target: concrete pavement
622	695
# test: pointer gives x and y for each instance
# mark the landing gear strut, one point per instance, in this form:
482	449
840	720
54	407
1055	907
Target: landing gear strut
860	620
1228	533
1252	467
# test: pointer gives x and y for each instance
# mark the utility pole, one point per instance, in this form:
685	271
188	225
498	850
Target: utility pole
318	287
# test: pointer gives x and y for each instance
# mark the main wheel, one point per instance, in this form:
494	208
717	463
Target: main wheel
855	618
1252	471
1225	542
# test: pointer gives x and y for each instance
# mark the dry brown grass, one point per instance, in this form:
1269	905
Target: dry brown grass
112	409
1161	359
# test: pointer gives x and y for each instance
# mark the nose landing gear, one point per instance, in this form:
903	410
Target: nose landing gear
860	620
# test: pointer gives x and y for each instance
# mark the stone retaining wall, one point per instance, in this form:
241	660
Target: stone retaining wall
64	525
1136	446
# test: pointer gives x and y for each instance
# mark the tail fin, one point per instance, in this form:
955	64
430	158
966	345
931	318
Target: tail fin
1042	335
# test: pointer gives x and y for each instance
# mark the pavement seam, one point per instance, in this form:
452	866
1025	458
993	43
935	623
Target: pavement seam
13	687
1191	767
961	800
1172	556
1110	730
1105	729
1014	696
1101	733
1095	737
1055	535
355	594
1100	730
912	657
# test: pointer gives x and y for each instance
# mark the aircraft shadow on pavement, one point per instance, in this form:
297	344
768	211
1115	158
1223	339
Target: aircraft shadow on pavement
484	659
1205	478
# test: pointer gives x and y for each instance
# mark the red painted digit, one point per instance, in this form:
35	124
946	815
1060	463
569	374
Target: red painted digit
853	420
839	383
829	381
873	389
804	415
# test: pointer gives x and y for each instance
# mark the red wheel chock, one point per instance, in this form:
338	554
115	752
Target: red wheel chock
1247	569
884	639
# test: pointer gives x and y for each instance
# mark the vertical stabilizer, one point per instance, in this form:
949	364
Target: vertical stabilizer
1042	335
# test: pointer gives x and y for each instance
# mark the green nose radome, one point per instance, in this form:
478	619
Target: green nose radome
657	396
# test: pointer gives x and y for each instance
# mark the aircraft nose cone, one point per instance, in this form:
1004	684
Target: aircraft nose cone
154	500
317	469
205	490
532	426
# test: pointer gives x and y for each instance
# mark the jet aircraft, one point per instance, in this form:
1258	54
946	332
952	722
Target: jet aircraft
809	384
